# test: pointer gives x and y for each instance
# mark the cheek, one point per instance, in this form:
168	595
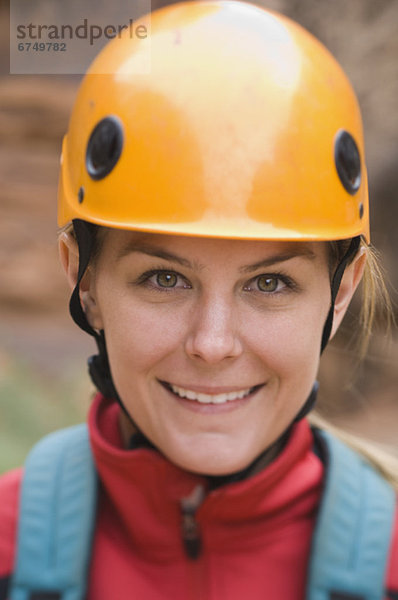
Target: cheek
289	344
137	335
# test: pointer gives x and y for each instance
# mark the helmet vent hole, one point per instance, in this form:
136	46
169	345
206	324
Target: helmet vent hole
361	211
348	161
104	147
80	195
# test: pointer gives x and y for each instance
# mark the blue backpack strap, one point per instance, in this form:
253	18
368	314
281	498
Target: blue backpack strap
56	519
352	537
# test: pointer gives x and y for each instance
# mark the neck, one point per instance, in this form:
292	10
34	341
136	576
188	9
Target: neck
132	438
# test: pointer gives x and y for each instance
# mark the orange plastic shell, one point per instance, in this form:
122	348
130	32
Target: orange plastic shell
230	134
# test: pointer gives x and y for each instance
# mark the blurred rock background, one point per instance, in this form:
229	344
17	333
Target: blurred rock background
43	382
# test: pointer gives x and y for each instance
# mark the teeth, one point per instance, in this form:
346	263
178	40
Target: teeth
210	398
203	398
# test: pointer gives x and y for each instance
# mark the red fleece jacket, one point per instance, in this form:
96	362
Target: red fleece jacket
255	534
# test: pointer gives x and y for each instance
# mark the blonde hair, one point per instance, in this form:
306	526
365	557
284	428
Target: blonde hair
376	302
376	307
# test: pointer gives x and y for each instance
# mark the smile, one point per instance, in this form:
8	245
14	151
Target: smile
210	398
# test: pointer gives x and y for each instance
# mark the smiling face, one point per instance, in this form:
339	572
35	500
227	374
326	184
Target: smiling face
213	344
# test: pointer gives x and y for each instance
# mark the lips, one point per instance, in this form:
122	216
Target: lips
206	398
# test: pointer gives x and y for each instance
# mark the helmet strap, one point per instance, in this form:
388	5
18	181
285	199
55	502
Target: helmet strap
335	285
98	365
309	403
85	238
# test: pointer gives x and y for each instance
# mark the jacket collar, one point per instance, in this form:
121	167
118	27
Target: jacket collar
143	482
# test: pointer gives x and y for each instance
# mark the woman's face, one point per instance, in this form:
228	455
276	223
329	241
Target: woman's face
213	344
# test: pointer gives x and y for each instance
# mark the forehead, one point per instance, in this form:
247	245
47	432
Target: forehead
121	243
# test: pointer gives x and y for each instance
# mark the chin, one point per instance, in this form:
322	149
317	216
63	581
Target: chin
217	463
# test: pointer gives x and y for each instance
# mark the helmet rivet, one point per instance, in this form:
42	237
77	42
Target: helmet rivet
348	161
361	211
104	147
80	195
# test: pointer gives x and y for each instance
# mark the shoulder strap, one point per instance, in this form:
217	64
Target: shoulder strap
353	532
56	522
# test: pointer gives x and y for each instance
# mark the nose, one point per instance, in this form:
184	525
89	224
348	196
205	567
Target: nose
213	334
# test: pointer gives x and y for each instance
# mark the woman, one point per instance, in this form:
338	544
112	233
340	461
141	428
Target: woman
215	227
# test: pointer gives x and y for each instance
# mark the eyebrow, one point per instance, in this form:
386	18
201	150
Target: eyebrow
153	251
158	252
278	258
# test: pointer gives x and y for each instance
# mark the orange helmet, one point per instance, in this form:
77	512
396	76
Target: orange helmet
243	127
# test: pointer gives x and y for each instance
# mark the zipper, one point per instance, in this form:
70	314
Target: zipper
190	529
192	541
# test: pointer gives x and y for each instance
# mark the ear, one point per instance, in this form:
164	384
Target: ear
69	256
349	283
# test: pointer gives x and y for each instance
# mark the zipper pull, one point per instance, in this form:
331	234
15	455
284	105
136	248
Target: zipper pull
189	526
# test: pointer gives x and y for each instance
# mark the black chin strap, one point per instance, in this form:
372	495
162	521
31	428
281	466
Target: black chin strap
85	237
98	365
335	285
309	403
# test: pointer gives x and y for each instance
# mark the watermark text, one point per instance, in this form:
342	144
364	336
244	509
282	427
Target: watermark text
84	31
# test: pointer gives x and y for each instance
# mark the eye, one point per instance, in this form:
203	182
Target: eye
267	283
273	283
162	280
166	279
